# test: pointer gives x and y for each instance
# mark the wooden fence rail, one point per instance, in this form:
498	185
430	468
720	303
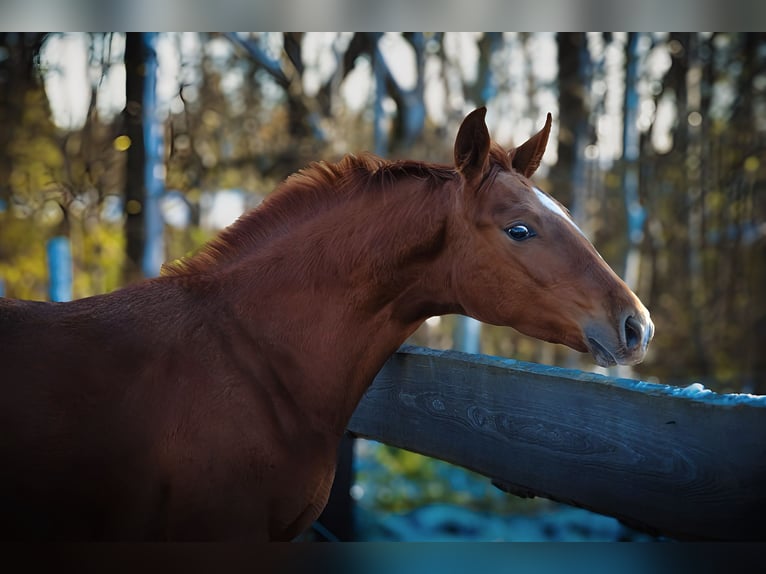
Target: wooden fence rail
685	463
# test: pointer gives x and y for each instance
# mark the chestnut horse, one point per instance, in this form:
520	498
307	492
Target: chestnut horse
209	403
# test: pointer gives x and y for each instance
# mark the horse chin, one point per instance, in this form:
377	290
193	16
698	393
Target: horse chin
601	355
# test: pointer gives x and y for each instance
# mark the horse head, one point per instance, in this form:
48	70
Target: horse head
524	263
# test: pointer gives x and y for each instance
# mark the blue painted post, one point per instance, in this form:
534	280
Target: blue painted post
59	268
467	335
631	140
154	248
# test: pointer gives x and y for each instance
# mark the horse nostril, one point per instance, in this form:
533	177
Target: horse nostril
634	332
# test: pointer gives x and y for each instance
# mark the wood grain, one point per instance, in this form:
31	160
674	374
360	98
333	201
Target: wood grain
670	465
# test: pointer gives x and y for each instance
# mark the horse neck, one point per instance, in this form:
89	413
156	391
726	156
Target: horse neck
334	299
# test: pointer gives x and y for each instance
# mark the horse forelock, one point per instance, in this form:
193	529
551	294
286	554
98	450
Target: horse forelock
499	156
302	196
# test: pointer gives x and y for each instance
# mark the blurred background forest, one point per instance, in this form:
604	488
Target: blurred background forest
658	149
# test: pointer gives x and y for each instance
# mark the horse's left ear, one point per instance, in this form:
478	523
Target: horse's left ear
526	158
472	145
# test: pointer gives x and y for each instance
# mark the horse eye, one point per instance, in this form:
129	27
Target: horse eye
519	232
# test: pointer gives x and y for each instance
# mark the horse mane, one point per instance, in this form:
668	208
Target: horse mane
300	197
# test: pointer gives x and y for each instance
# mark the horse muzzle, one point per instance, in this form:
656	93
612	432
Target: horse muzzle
623	344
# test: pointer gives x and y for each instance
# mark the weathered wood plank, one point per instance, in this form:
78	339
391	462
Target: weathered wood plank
690	466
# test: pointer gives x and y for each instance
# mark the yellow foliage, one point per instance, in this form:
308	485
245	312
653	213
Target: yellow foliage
22	258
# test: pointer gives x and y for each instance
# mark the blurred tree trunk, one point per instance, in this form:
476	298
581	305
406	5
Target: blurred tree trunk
143	223
410	104
740	139
380	128
751	66
18	76
135	193
690	129
485	87
569	172
300	123
685	318
745	209
21	89
693	125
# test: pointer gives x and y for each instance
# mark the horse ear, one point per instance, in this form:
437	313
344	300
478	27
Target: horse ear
526	158
472	145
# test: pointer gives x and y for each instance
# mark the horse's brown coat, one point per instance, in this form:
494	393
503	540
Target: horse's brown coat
208	403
